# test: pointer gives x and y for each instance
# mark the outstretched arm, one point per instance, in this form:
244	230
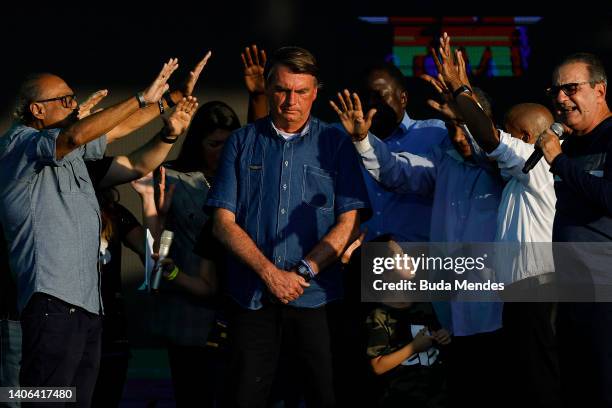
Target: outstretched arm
95	125
143	160
400	172
143	116
452	76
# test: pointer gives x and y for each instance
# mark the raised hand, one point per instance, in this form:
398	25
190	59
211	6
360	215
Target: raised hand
179	120
448	107
160	85
194	75
351	115
254	63
91	101
446	65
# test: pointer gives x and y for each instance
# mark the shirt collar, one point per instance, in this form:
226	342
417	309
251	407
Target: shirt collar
406	123
304	131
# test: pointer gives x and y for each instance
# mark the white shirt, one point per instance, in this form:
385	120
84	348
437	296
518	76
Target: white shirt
526	211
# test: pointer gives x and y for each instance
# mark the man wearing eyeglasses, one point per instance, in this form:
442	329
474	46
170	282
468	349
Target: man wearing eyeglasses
50	217
583	183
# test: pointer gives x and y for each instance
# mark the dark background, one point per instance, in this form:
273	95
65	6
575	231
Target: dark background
122	45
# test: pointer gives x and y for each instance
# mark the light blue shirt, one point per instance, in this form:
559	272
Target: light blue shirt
50	216
465	202
406	216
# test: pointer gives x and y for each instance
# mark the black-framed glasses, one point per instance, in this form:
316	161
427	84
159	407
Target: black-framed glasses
66	100
568	89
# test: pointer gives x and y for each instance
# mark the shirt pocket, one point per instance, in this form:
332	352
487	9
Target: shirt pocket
318	188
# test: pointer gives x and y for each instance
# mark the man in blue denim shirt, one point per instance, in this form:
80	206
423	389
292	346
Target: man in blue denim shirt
287	197
50	217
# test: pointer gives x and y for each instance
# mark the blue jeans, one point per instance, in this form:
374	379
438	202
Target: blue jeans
10	355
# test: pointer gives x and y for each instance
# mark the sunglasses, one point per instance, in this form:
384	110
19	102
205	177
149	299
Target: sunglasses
66	100
568	89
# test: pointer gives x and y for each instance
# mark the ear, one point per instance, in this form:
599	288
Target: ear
404	99
37	110
527	137
600	88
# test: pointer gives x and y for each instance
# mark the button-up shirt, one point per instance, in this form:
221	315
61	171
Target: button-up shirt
50	216
465	201
406	216
287	195
526	212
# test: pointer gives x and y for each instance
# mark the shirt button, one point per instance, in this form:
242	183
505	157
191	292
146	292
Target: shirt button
286	163
284	186
282	210
378	194
377	233
278	259
377	212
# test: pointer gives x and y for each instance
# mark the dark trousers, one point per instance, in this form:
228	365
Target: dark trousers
475	371
584	331
61	347
197	374
255	340
532	360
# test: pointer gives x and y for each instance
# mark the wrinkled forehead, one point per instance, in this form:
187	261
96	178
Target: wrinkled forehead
572	72
52	86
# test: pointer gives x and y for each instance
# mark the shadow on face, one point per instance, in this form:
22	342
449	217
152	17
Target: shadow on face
383	93
459	139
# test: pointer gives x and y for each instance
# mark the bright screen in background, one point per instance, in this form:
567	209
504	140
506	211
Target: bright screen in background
494	46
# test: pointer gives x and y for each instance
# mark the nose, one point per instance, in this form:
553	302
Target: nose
291	98
560	97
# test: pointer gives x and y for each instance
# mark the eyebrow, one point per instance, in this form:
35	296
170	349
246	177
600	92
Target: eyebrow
283	89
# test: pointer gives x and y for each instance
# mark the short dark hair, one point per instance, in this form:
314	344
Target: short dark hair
391	69
297	59
29	91
209	117
597	72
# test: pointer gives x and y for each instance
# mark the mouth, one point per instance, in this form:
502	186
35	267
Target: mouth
566	110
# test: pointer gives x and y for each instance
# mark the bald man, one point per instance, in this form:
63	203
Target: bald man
525	217
51	221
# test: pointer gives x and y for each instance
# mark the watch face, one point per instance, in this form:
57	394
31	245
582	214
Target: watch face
303	272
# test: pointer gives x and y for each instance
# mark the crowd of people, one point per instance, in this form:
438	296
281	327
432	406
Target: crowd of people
259	301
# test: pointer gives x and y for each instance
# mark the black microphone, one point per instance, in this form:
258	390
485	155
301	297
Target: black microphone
537	154
164	248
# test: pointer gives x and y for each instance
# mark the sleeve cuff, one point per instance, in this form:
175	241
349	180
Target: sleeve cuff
501	148
364	145
558	163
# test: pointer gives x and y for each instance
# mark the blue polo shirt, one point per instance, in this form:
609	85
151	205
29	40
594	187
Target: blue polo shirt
50	216
287	195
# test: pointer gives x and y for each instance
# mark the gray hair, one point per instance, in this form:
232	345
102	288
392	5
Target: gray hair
29	91
597	72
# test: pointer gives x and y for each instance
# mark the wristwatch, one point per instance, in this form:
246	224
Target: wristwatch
460	90
304	270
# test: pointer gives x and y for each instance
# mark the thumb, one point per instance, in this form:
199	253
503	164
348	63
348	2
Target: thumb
370	115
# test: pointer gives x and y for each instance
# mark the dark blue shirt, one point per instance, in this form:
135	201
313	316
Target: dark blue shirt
287	195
